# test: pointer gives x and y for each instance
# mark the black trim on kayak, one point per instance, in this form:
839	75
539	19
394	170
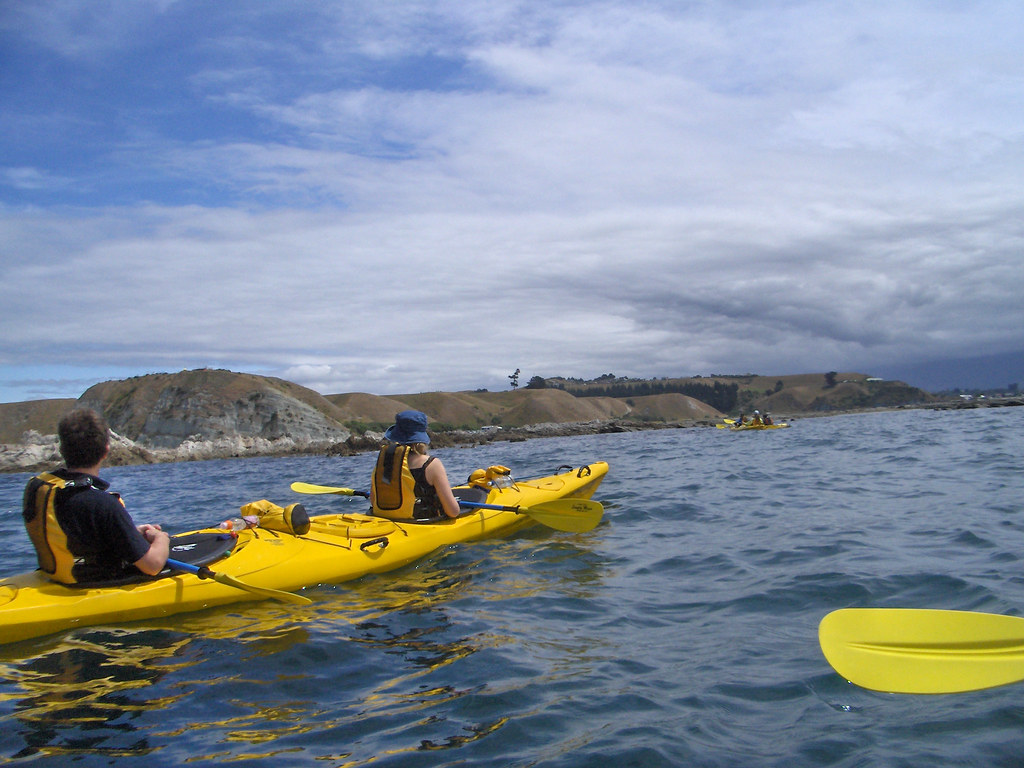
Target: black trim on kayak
201	548
193	548
473	494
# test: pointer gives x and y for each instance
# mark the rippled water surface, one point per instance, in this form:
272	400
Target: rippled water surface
681	632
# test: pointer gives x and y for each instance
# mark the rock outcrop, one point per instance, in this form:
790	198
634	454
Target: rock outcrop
194	415
168	411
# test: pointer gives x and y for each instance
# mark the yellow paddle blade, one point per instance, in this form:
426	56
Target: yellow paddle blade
907	650
573	515
205	573
310	488
274	594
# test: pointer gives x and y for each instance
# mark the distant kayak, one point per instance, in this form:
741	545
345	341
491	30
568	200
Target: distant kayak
744	427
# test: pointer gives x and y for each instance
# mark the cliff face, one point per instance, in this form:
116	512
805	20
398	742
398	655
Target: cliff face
183	416
165	411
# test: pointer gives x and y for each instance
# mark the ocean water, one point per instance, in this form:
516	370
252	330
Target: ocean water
680	632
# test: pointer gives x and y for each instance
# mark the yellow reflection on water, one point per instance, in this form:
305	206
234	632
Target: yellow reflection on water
95	691
85	673
90	686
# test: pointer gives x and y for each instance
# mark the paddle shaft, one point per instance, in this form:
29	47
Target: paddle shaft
222	578
326	489
199	570
571	515
481	505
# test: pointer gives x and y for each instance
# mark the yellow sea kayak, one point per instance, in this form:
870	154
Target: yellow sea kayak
336	548
735	427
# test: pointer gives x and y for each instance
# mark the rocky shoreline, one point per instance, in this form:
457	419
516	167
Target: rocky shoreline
36	452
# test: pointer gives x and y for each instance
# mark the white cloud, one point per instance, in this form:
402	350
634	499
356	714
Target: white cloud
432	198
25	178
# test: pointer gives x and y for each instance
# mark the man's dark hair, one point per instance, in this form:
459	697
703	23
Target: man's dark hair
84	438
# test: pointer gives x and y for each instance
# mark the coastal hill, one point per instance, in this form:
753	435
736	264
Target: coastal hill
164	410
209	413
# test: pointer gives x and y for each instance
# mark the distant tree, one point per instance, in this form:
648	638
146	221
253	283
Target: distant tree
779	385
537	382
718	395
514	378
830	379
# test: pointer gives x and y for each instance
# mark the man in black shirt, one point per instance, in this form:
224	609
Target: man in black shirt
81	531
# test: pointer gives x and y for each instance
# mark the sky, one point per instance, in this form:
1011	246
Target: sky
399	197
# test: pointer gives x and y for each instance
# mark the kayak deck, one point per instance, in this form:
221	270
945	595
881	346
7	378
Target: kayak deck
337	548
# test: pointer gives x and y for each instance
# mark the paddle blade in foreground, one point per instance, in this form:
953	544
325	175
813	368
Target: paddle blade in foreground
906	650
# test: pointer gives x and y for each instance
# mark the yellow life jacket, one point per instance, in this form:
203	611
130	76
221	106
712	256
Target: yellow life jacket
394	487
49	539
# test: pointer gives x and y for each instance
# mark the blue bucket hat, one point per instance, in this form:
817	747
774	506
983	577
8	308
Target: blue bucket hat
409	427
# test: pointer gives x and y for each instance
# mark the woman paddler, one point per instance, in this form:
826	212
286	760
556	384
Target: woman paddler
408	483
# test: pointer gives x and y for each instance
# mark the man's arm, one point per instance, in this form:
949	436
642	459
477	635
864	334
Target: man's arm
155	558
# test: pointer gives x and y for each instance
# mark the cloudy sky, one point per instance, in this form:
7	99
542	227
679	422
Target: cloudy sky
396	197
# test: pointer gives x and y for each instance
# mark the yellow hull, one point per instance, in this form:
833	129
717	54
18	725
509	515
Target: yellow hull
336	548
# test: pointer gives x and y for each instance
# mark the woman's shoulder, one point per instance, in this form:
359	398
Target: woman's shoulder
418	460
